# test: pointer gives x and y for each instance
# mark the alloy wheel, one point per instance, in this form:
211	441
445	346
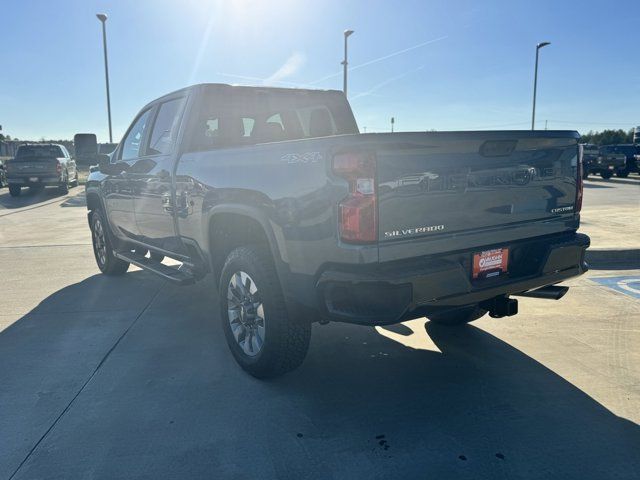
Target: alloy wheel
246	313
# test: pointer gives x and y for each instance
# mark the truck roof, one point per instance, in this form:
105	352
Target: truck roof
241	87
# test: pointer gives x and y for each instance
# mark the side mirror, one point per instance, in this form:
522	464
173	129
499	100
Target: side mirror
104	162
105	166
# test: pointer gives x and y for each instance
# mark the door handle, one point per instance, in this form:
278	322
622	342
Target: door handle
167	204
182	203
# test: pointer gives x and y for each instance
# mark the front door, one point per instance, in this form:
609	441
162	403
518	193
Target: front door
118	192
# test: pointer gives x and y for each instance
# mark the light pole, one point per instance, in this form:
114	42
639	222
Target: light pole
103	19
535	83
347	33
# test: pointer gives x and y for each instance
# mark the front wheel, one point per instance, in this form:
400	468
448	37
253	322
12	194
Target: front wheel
458	315
107	262
263	339
606	174
14	190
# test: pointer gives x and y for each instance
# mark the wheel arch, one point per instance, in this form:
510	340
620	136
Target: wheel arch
231	226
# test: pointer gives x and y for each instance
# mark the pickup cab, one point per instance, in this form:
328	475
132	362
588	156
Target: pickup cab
39	165
301	219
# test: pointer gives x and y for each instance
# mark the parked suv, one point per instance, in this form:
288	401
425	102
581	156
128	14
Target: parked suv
302	219
39	165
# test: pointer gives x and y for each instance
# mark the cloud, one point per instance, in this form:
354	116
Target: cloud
386	82
294	63
380	59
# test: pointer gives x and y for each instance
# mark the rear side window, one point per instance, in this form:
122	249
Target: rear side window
131	146
165	127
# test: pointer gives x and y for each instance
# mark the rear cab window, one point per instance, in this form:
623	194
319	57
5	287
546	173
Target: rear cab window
236	116
30	151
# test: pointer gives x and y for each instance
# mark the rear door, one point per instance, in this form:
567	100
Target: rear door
151	179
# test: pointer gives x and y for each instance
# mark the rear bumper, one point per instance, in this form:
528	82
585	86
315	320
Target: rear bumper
26	181
401	290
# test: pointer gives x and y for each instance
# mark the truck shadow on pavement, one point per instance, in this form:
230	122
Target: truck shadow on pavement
29	197
632	180
148	389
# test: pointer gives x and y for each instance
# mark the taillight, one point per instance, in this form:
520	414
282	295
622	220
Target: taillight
579	182
58	166
358	212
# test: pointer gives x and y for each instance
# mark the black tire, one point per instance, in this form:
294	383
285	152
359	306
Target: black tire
107	262
14	190
63	188
75	182
622	173
285	341
585	174
158	257
458	316
606	174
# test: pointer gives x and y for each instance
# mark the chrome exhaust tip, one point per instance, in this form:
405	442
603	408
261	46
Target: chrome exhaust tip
550	292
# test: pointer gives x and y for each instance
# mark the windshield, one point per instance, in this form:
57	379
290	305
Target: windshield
26	151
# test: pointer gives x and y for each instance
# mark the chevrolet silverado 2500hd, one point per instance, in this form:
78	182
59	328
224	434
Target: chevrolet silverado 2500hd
302	219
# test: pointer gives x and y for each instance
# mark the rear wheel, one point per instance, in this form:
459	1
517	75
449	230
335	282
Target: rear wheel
606	174
458	316
262	338
14	190
107	262
622	173
63	188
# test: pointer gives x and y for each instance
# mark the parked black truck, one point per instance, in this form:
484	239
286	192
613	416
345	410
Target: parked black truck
302	219
602	161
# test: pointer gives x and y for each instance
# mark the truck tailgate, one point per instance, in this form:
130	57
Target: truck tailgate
436	185
34	166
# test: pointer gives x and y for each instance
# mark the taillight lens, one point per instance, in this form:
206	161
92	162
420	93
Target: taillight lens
358	212
579	182
58	166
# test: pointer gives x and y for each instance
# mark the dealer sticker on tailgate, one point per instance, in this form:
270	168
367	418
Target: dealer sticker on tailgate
490	263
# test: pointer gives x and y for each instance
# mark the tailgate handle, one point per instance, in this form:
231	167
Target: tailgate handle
498	148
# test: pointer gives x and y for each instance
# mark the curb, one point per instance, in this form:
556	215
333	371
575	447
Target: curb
629	258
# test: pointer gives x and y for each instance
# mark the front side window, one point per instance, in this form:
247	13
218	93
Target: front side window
166	126
132	144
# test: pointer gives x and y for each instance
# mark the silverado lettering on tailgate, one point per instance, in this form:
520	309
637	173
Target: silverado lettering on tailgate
413	231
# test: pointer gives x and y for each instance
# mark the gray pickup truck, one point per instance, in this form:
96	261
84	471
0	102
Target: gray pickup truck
39	165
301	219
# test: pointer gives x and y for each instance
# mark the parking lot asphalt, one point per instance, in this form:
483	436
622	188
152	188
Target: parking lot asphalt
130	377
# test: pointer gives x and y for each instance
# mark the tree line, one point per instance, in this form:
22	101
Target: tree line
608	137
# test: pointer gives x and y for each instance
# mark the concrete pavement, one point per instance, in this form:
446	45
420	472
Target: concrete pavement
131	378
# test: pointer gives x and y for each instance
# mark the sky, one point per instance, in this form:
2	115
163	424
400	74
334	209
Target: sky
430	64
